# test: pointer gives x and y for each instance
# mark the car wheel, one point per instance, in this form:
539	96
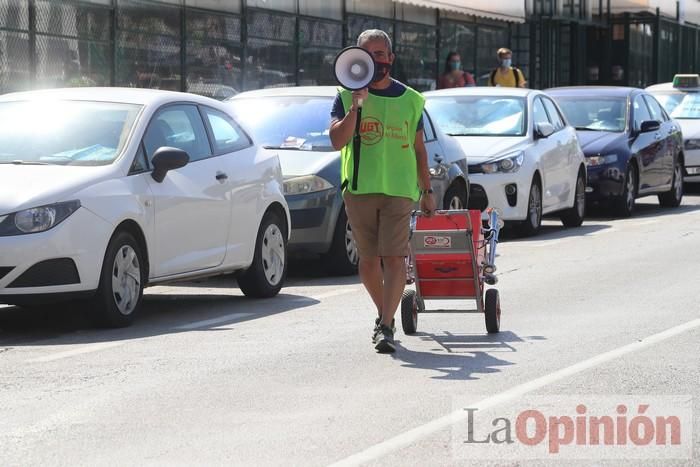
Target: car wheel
573	217
673	197
623	206
119	295
343	257
455	197
265	276
532	223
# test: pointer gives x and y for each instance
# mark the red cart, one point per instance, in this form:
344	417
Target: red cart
452	257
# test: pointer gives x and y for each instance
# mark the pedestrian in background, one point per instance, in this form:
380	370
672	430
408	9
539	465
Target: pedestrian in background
506	75
453	76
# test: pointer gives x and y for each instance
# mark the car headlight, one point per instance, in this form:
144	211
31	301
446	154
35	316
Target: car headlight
595	161
692	143
507	164
437	171
305	184
38	219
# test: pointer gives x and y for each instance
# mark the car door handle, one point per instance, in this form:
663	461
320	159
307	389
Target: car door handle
657	136
222	177
437	158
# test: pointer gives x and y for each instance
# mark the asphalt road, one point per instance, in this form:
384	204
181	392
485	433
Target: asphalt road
207	377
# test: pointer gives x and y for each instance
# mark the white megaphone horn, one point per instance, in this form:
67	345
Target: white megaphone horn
354	68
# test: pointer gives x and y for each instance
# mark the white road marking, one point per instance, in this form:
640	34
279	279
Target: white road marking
71	353
640	223
409	437
213	321
335	293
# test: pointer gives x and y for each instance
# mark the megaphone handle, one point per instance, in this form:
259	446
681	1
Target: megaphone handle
356	148
358	120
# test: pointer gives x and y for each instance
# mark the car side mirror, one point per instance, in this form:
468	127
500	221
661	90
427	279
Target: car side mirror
166	159
650	125
543	130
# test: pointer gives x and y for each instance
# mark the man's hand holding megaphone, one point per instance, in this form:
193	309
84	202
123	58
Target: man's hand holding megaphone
358	97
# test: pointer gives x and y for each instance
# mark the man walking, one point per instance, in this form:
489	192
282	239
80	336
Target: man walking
384	180
506	75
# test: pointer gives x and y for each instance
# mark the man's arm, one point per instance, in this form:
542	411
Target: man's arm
523	83
427	202
422	161
341	131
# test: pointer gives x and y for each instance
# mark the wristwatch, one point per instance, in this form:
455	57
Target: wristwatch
429	191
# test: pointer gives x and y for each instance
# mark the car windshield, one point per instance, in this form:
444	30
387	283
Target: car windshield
478	115
594	113
683	105
288	122
64	132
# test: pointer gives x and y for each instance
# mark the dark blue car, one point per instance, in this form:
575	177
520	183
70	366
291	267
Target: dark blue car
632	147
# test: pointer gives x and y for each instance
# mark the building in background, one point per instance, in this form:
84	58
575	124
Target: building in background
220	47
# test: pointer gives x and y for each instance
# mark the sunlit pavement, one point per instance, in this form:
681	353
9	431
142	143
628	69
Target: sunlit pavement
206	376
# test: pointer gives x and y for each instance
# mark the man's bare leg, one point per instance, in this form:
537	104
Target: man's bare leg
370	268
394	284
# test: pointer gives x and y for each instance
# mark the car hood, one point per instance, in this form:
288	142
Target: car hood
480	149
28	186
297	163
595	142
690	128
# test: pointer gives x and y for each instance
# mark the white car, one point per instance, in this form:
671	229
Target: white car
681	99
104	191
524	158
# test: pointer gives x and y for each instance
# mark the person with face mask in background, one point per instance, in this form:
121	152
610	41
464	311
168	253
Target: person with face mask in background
382	181
506	74
454	76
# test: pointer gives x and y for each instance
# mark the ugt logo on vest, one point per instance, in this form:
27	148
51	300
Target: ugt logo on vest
371	130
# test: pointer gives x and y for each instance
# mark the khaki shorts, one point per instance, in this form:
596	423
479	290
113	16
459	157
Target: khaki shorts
380	223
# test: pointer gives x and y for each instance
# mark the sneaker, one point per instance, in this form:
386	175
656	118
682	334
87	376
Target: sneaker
377	328
385	340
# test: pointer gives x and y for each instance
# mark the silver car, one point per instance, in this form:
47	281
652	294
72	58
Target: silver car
294	122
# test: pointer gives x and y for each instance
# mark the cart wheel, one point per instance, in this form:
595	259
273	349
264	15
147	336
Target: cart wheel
492	311
409	312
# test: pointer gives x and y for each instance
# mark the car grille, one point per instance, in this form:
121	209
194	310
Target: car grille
59	271
475	169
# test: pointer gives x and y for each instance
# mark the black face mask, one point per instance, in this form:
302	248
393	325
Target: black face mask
381	70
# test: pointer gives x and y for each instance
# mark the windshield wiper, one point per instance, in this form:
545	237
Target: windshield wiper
287	148
303	148
18	162
584	128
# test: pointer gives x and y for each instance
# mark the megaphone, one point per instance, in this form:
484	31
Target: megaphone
354	68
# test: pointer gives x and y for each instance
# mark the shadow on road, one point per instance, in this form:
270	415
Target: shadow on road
461	356
68	324
691	189
313	272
